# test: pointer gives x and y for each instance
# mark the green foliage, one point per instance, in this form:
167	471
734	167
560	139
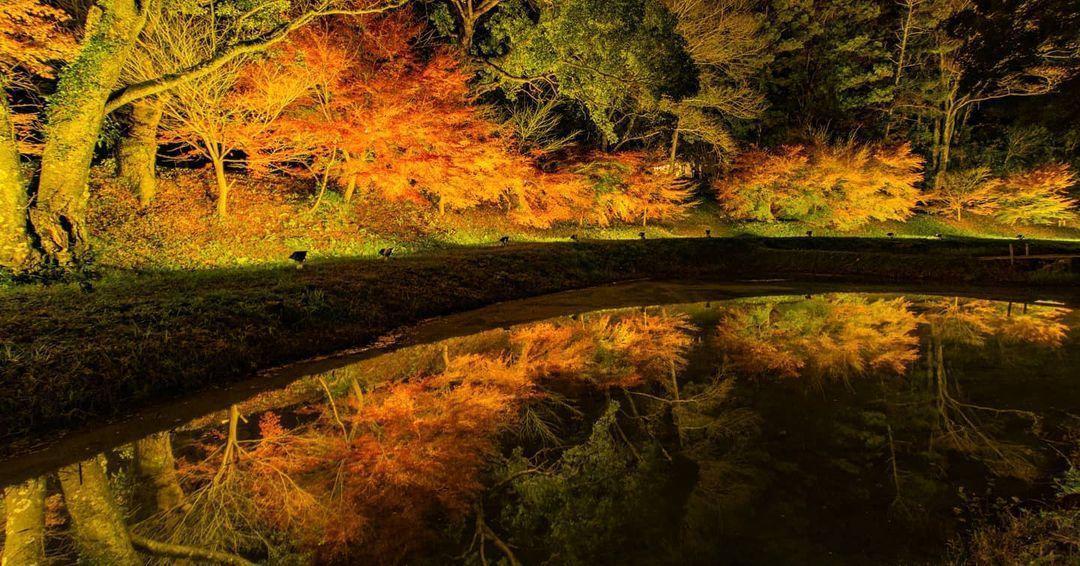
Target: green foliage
613	58
599	501
830	66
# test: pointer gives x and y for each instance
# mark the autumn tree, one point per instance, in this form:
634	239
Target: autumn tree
87	90
1038	196
843	185
32	40
971	190
632	187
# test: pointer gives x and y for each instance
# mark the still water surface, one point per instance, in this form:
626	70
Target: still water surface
843	428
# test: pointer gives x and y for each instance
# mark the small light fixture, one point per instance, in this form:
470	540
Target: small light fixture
299	256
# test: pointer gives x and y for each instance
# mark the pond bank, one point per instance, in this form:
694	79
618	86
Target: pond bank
71	357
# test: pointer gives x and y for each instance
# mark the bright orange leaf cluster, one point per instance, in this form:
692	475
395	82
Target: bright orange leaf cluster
842	186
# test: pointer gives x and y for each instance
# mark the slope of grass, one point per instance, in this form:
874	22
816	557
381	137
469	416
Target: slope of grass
267	223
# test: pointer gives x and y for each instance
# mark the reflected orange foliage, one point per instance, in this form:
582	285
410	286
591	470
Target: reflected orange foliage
972	321
607	352
368	478
829	338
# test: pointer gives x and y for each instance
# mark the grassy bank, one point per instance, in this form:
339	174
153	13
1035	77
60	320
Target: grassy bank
180	230
72	355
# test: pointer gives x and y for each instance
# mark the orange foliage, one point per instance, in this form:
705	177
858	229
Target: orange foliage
1038	196
843	186
369	477
834	337
632	187
382	117
607	352
388	468
33	37
971	321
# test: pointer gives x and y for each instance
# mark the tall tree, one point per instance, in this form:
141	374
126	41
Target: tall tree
725	39
616	59
469	13
155	475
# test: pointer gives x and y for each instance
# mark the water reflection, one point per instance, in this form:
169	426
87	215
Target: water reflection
844	427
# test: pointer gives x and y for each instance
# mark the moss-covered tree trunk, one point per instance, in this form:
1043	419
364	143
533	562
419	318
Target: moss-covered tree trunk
15	250
157	488
138	150
97	521
24	529
75	115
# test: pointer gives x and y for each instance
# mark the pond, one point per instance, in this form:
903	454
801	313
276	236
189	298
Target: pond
791	428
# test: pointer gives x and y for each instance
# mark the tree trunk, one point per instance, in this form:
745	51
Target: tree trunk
157	488
674	148
350	189
947	132
468	29
24	529
75	115
15	252
98	524
138	150
222	184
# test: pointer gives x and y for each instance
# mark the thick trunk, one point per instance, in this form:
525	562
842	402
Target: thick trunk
15	250
75	115
157	488
138	150
24	529
98	524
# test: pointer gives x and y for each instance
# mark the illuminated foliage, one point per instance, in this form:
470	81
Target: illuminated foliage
33	37
631	187
973	191
836	337
614	58
971	321
843	186
1038	196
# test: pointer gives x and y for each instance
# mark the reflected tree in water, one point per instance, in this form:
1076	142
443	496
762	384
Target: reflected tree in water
829	338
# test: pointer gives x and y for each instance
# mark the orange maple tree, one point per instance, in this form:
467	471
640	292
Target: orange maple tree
842	186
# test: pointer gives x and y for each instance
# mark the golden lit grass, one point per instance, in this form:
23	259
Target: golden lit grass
268	222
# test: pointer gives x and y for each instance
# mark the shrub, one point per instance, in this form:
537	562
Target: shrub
841	186
1037	196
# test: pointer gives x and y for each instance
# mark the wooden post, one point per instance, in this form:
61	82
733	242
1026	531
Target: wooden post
1012	253
1027	249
